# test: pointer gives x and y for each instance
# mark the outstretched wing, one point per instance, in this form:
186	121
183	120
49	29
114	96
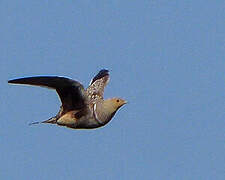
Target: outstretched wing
96	88
72	93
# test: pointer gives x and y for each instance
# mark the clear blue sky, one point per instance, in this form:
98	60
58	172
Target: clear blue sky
167	58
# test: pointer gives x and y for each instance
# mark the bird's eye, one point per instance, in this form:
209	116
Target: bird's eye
117	100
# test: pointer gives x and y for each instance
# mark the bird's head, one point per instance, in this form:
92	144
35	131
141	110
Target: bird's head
114	104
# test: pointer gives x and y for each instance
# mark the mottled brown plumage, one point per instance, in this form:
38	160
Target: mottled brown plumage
80	109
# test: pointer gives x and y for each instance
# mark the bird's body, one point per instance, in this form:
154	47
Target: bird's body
80	109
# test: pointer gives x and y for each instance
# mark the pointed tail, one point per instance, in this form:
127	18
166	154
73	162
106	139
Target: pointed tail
52	120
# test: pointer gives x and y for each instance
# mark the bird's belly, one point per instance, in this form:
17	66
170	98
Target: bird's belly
84	122
87	123
67	119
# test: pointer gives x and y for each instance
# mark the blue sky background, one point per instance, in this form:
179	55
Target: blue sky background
167	58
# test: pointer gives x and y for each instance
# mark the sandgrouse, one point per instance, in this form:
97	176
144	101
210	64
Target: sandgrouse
80	109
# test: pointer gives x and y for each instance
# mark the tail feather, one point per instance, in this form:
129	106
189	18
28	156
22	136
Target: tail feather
32	123
52	120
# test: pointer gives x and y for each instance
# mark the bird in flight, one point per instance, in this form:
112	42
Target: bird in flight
81	108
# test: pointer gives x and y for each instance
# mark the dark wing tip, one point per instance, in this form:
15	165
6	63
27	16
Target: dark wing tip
102	73
53	82
19	80
10	81
15	81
